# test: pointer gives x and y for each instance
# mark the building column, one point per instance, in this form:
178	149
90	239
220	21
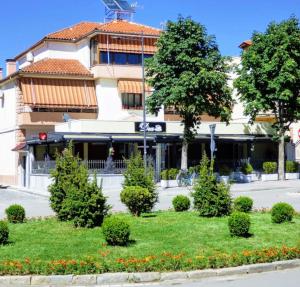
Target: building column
85	151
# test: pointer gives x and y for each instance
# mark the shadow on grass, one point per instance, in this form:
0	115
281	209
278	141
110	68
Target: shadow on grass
148	215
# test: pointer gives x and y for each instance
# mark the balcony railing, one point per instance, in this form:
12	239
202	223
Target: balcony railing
94	166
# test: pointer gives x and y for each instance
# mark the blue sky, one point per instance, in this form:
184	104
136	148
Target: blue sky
25	22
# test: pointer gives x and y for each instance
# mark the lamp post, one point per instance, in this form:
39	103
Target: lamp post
212	128
143	94
144	104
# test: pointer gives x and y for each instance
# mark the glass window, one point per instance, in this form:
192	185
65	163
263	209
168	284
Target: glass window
134	59
120	58
132	101
103	58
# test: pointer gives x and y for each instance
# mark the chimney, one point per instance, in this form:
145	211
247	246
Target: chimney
11	67
1	74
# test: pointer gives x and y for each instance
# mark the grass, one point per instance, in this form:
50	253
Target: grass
163	232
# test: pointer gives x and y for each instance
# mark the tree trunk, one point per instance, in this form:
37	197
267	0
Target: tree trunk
281	158
184	155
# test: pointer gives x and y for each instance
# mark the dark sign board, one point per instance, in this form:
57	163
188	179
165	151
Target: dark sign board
153	127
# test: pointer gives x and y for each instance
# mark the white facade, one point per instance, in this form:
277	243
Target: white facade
8	158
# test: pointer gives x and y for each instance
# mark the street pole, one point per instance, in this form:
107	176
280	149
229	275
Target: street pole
144	104
212	128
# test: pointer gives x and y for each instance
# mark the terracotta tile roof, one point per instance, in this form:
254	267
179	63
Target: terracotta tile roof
58	67
245	44
122	26
75	32
117	26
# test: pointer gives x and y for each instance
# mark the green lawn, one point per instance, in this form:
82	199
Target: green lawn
155	234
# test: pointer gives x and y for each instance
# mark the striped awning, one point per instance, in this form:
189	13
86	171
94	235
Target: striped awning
132	87
58	93
116	44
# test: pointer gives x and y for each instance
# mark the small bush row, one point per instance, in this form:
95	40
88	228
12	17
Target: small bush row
169	174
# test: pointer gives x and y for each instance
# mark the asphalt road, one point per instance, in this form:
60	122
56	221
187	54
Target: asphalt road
283	278
264	194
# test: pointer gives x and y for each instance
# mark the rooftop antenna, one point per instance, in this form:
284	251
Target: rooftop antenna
118	10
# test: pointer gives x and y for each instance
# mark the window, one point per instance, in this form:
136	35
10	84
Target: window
119	58
132	101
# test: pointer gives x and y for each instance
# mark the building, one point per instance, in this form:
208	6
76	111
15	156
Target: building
84	83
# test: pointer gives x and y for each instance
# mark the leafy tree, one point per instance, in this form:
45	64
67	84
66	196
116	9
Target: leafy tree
188	74
269	78
135	175
73	196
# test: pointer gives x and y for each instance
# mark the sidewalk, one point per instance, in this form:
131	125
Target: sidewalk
264	195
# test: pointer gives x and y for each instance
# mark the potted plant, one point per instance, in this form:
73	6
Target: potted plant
269	168
247	170
168	178
292	169
225	172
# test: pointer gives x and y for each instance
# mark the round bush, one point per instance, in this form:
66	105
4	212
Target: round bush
116	231
15	213
239	224
243	204
4	232
282	212
137	199
181	203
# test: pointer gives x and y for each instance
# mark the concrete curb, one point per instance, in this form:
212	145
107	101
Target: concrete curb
143	277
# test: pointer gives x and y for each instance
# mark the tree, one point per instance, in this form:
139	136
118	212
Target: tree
135	175
188	74
73	196
269	79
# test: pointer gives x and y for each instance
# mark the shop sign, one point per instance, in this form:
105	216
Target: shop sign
152	127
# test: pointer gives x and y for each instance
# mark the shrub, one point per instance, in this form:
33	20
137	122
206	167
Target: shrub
270	167
116	231
247	168
194	169
181	203
15	213
135	175
291	166
4	232
224	170
137	199
86	207
282	212
169	174
243	204
73	196
210	198
239	224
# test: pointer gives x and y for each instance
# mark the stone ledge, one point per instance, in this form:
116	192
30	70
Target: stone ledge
143	277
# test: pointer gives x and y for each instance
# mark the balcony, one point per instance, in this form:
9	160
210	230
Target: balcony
110	71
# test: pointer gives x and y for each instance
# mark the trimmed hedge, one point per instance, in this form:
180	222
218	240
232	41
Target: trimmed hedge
247	168
243	204
15	213
181	203
169	174
270	167
116	231
291	166
4	232
282	212
239	224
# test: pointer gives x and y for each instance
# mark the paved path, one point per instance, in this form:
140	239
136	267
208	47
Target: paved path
283	278
264	194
